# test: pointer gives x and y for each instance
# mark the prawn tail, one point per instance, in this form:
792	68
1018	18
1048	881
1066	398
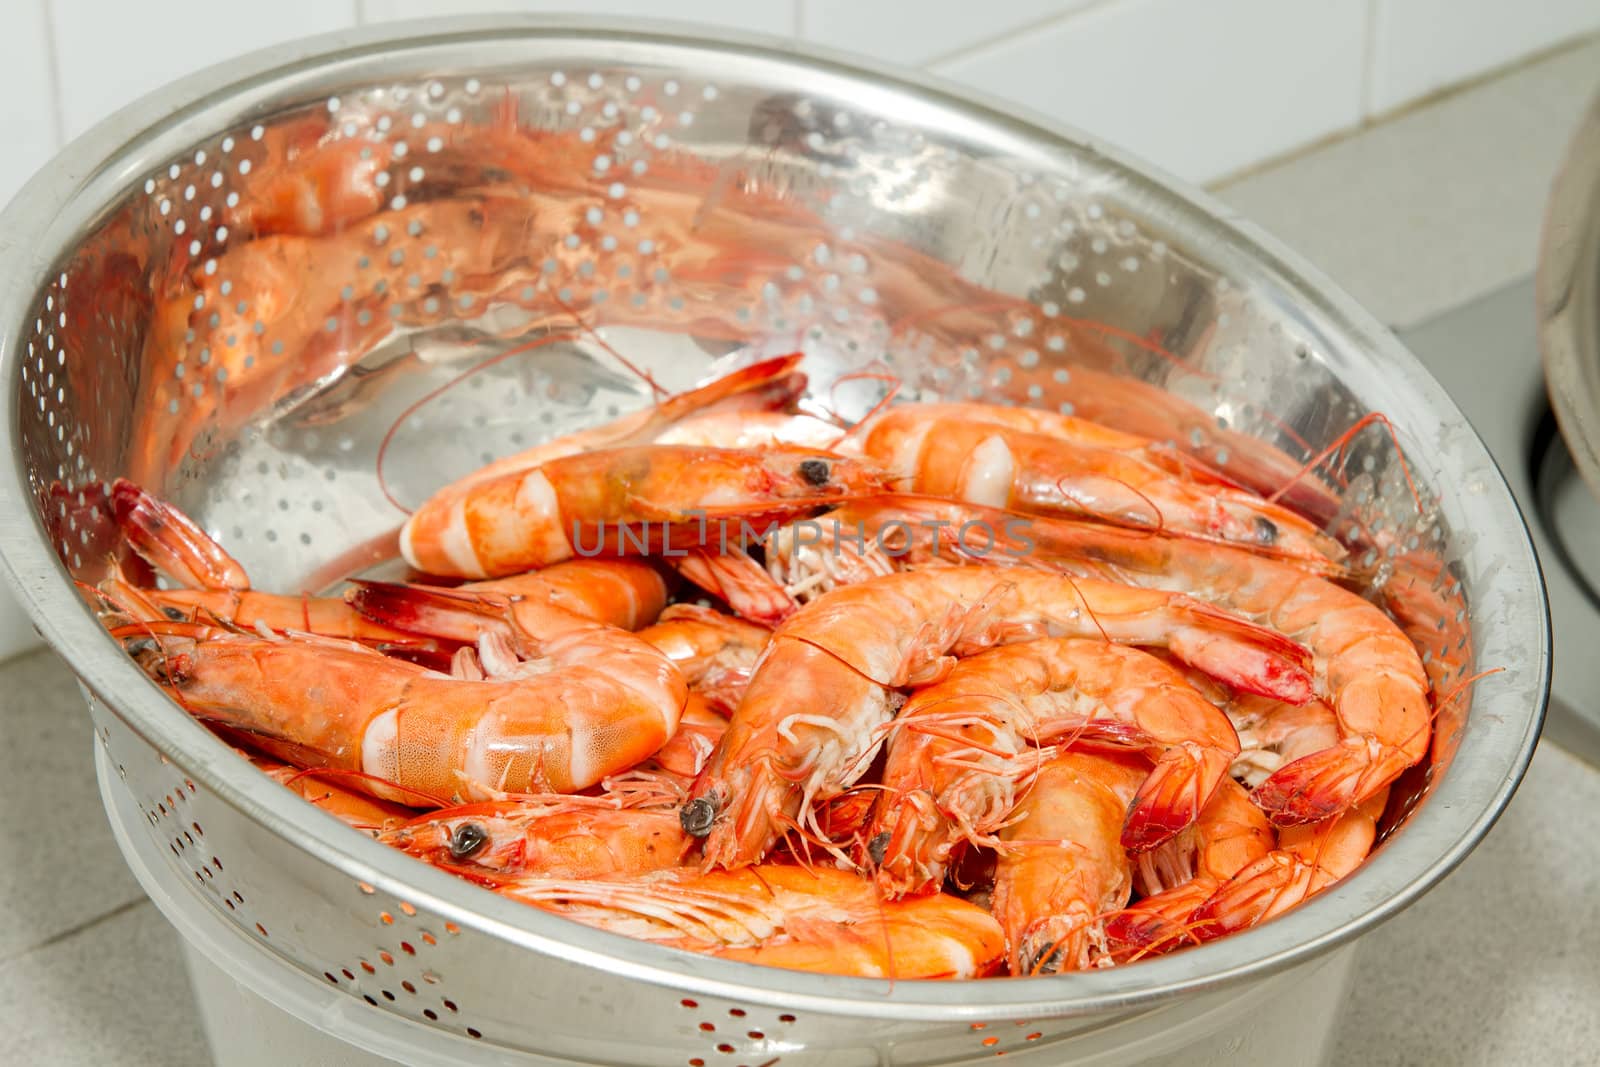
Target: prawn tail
1246	656
1271	885
770	385
742	583
451	614
169	540
1158	923
1324	784
1172	796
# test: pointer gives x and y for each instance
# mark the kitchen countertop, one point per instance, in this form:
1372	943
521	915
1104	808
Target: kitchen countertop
1418	214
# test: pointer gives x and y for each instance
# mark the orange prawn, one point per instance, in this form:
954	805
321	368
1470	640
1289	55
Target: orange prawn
595	701
1365	667
621	500
1175	879
815	709
1308	860
1005	467
822	920
555	836
1061	868
956	749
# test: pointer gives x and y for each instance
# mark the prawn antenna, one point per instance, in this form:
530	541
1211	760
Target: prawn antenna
434	394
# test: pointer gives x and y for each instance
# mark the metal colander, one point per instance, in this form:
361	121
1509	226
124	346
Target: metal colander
564	212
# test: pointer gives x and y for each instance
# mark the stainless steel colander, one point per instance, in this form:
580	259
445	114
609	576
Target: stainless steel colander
568	209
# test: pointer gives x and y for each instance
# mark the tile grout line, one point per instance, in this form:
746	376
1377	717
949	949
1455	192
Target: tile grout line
58	118
73	931
25	651
978	47
1372	122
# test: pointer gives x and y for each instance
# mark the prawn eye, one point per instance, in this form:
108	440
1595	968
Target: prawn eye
1266	530
697	816
877	847
467	840
814	471
1043	957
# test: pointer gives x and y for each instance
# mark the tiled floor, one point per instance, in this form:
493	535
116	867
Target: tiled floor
90	973
61	871
112	992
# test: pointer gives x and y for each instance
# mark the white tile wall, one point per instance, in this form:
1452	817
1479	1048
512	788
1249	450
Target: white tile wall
28	124
1200	87
759	16
1419	46
112	51
939	28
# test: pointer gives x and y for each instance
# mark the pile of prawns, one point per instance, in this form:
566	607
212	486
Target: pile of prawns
998	691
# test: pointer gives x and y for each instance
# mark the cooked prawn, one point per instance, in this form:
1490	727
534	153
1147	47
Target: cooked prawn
954	750
1175	879
803	919
555	836
1365	668
1074	431
1308	860
815	709
715	652
617	592
620	500
172	542
736	396
328	792
622	593
1061	868
1000	466
597	700
684	756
